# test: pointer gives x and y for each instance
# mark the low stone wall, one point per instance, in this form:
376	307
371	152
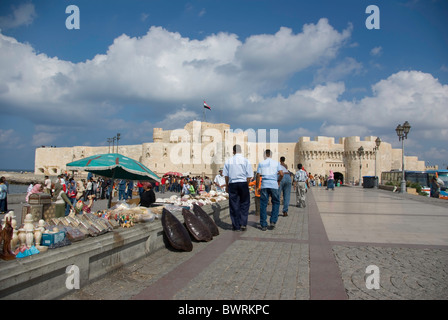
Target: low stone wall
43	276
16	198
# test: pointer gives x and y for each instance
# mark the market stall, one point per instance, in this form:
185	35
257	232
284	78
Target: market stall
114	166
38	233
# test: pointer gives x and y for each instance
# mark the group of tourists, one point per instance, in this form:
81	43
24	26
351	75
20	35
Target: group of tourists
271	181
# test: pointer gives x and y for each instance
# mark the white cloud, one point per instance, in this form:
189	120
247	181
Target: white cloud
414	95
294	134
22	15
43	138
159	67
377	51
347	67
144	16
177	119
284	53
240	78
437	153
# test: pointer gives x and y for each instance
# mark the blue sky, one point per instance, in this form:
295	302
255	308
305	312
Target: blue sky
306	68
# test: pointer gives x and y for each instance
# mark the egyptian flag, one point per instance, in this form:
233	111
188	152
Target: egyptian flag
207	106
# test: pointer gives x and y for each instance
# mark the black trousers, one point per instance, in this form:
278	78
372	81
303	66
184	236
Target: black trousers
239	203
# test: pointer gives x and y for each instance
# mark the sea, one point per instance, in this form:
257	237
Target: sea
17	188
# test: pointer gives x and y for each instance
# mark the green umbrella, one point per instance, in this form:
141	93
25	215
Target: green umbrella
115	166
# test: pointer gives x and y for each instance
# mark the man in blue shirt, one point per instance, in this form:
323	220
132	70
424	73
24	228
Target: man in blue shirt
271	173
238	173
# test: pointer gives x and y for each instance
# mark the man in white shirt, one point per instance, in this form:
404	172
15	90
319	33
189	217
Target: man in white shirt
271	173
220	182
300	179
47	184
238	173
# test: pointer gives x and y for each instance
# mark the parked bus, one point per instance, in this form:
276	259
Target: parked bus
394	176
421	177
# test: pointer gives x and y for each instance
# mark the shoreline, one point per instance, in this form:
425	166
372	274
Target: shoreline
23	177
27	177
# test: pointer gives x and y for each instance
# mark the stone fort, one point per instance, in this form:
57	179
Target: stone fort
201	148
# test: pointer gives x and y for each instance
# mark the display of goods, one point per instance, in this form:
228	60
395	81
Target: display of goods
188	200
73	234
114	223
206	219
197	229
63	243
147	217
83	229
175	232
62	230
52	238
90	229
156	210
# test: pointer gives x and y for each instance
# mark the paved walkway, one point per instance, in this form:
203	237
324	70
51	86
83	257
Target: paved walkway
318	252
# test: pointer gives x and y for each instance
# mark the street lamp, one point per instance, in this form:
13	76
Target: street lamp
360	154
109	140
118	138
377	142
402	133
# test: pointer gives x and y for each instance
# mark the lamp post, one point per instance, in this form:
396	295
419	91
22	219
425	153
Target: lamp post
118	138
360	154
377	142
113	144
402	133
109	140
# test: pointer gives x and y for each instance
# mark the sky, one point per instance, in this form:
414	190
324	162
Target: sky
306	68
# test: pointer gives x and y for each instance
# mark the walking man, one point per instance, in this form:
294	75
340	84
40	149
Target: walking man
271	173
285	186
238	173
300	180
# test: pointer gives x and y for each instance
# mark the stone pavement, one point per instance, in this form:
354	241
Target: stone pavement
316	253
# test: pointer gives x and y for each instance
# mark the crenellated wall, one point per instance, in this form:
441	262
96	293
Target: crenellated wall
200	148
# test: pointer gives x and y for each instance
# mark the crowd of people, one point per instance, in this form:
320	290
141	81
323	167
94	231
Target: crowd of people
272	180
84	192
66	190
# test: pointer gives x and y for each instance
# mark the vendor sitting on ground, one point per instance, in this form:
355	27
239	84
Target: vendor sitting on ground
148	196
